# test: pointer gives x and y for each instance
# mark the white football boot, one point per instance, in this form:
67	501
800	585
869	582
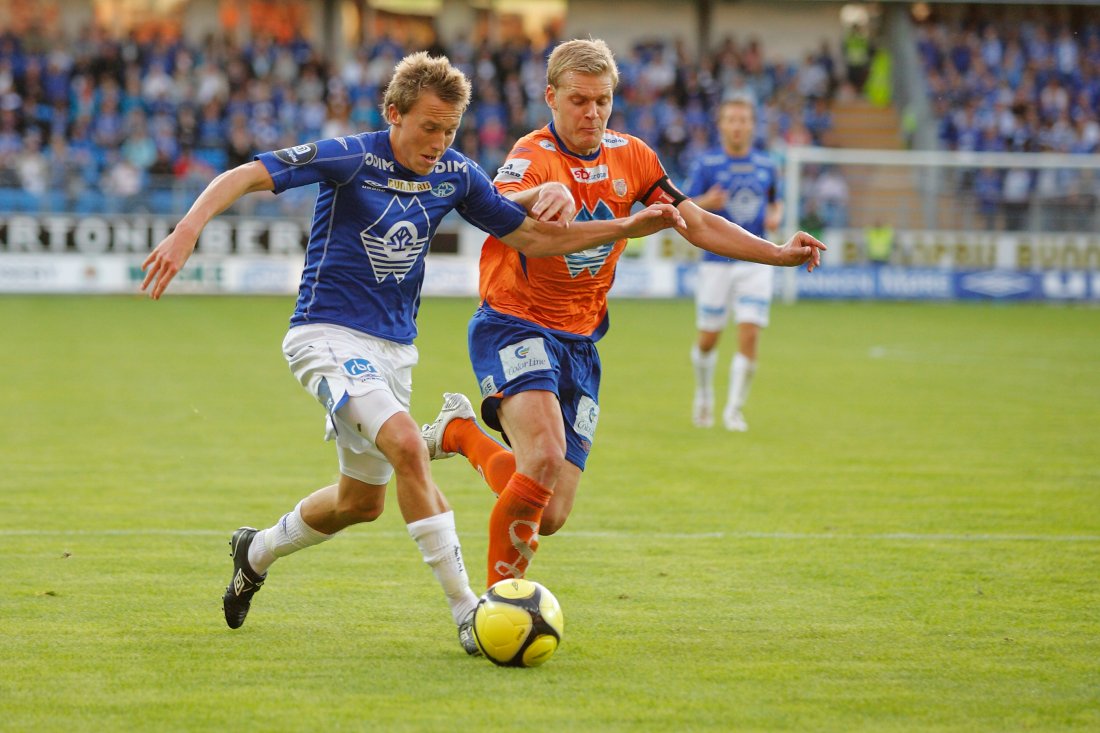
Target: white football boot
734	421
455	405
702	410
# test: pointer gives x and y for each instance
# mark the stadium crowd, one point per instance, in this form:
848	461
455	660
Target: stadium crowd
1019	80
115	125
1001	84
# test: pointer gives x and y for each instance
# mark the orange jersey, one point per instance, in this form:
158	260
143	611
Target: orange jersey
569	292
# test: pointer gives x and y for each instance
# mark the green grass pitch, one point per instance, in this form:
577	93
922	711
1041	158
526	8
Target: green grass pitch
907	539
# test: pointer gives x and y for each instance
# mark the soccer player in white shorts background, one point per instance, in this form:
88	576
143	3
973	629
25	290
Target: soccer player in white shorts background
350	344
741	185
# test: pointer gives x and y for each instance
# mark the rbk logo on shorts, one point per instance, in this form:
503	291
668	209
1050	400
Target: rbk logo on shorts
361	369
588	414
525	356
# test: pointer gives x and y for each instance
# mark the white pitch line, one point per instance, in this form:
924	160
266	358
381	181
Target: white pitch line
791	536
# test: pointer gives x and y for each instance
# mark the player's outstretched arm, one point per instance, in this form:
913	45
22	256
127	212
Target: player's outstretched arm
549	202
540	239
168	257
718	235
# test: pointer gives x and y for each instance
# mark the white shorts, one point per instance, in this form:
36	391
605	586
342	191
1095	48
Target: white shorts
740	289
362	381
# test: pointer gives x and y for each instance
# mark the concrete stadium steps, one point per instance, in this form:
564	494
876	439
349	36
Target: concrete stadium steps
875	194
860	124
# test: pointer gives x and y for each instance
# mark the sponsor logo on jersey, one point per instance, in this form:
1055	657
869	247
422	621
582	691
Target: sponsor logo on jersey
409	186
613	141
547	145
512	171
520	149
450	166
588	414
619	184
525	356
380	163
368	183
395	241
298	155
361	369
590	175
443	190
592	259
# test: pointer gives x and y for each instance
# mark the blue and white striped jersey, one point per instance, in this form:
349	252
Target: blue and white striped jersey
372	225
750	182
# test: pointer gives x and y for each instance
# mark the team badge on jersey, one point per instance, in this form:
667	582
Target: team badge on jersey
394	250
593	258
443	190
745	204
619	184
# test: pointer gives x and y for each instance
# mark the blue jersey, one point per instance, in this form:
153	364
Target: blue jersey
372	224
750	183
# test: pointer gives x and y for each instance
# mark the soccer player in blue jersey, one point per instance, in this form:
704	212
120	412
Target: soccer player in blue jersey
350	343
741	185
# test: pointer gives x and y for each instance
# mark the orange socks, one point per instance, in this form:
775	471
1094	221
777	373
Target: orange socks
514	521
514	527
493	461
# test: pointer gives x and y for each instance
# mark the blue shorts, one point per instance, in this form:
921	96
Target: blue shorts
511	355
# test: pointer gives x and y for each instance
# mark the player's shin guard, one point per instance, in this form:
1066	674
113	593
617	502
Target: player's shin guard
438	542
742	370
704	364
493	461
514	527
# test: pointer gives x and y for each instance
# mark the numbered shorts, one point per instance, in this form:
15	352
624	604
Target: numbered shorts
510	355
361	381
741	290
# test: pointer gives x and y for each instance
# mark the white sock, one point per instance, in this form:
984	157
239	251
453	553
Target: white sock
741	371
438	542
704	371
288	535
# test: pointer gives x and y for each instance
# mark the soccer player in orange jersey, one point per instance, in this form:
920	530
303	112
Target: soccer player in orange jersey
533	339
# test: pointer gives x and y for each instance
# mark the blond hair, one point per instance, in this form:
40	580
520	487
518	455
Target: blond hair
419	72
739	99
590	56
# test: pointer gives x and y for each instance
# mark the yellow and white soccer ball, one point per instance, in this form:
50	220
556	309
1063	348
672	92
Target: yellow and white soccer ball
518	623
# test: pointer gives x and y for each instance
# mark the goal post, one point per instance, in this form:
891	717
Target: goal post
947	196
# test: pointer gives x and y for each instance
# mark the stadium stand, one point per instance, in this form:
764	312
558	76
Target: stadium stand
106	124
1017	79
